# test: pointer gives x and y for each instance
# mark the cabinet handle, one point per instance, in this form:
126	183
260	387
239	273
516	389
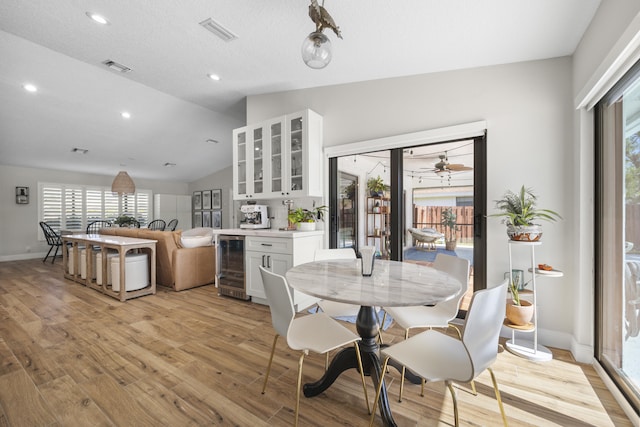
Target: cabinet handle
268	261
263	264
266	244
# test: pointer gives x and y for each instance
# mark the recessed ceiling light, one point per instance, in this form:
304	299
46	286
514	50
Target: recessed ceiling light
214	77
125	115
29	87
98	18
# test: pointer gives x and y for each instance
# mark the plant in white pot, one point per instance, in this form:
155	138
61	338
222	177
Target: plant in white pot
305	219
519	212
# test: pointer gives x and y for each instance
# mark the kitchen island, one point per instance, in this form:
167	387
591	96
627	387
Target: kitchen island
275	250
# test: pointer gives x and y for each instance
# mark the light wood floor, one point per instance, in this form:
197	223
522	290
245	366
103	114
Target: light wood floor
70	356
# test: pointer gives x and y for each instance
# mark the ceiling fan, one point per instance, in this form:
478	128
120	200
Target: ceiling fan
444	166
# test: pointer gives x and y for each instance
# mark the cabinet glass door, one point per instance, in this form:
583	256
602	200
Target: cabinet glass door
276	157
258	170
296	163
242	163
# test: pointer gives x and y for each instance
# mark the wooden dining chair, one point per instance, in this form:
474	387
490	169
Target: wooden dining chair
439	315
171	225
95	226
318	332
435	356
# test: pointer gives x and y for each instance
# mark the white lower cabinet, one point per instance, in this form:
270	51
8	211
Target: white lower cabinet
278	254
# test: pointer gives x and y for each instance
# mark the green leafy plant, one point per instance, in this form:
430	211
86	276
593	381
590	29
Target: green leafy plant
307	215
376	185
519	209
124	220
449	221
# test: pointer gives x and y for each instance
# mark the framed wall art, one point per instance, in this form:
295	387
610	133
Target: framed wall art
197	200
197	219
216	199
206	218
22	195
206	199
216	219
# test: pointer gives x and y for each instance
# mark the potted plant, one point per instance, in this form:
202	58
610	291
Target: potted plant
520	213
518	311
449	221
376	186
125	221
305	219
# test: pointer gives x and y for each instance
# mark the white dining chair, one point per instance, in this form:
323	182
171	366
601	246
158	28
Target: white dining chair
334	308
318	332
439	315
435	356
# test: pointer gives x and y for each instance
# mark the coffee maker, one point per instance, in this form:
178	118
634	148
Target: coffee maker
255	216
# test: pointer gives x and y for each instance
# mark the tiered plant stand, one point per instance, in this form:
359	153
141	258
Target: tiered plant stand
529	348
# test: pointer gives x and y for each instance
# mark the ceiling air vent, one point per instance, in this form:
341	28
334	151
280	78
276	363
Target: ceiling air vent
217	29
116	67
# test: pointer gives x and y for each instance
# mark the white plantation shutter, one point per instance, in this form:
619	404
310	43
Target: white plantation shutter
51	206
73	212
72	207
94	204
142	208
111	205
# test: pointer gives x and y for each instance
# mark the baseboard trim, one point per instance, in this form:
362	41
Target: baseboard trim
19	257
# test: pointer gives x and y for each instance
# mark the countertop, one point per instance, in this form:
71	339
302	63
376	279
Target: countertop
267	232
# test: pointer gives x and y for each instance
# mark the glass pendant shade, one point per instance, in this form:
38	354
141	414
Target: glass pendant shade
123	184
316	50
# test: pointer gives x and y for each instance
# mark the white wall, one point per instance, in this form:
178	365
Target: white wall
222	179
528	109
19	223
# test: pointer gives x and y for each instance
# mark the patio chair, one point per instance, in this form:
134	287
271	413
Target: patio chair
425	237
53	240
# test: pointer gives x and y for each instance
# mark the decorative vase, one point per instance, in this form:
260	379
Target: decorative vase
450	245
519	315
306	226
524	233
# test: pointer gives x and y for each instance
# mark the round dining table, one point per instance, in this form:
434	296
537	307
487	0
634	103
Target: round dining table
392	284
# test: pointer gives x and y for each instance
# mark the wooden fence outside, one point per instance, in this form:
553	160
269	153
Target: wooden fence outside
431	216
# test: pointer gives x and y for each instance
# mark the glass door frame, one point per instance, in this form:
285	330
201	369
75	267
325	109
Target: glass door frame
473	131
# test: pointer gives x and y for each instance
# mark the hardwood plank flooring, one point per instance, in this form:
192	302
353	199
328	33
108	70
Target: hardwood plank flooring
70	356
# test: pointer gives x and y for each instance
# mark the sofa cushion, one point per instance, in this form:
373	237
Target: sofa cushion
195	241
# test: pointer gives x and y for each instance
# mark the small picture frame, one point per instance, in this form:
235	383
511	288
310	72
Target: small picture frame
22	195
197	219
206	199
197	200
206	218
216	199
216	219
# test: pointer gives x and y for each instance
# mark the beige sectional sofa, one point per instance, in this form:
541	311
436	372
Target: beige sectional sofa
176	267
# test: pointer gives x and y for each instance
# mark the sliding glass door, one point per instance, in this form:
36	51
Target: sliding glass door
617	242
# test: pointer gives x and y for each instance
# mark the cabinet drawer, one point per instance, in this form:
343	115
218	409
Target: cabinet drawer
277	245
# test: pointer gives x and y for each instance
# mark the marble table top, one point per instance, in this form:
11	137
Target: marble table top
392	283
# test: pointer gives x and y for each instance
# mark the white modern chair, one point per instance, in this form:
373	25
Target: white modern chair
334	308
439	315
435	356
318	332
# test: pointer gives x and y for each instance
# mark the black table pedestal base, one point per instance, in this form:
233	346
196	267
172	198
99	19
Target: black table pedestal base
367	327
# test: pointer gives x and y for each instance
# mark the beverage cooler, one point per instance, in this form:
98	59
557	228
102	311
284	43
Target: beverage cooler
231	281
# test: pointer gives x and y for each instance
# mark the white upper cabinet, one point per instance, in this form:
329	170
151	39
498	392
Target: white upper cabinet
279	158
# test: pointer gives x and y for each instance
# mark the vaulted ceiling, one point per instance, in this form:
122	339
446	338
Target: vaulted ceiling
176	108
